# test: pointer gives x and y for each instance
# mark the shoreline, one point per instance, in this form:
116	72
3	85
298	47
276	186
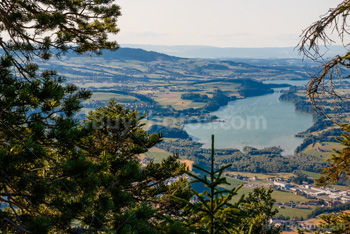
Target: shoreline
279	90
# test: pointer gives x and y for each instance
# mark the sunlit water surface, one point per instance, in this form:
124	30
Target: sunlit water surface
260	122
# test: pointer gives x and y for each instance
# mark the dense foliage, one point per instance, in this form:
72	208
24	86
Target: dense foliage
300	178
268	160
196	97
169	132
39	29
55	170
258	209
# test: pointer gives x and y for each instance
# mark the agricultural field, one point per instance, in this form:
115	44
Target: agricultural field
322	150
312	175
156	154
293	212
282	196
262	176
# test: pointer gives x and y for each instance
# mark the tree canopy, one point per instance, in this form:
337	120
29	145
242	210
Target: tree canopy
39	29
54	170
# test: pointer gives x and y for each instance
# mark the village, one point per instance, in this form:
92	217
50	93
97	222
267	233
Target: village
317	197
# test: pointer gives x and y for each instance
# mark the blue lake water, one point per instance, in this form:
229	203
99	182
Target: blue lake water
260	122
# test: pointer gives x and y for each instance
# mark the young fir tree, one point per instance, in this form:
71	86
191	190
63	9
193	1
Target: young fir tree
213	213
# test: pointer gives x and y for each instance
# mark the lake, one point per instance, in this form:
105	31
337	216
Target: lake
259	122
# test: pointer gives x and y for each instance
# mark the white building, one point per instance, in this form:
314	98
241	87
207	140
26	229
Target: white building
282	185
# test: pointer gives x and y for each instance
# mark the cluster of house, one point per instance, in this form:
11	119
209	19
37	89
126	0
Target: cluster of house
291	204
140	105
333	196
330	195
294	224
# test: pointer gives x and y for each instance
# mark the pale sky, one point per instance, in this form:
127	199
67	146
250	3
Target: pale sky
221	23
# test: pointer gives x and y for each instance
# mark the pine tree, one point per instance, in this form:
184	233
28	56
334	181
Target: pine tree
213	213
115	143
54	170
43	28
36	125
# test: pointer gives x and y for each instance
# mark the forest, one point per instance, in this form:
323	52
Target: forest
267	160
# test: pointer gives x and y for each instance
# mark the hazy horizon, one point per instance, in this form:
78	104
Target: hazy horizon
224	23
214	52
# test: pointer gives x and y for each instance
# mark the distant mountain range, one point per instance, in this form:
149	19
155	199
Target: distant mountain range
231	52
130	54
